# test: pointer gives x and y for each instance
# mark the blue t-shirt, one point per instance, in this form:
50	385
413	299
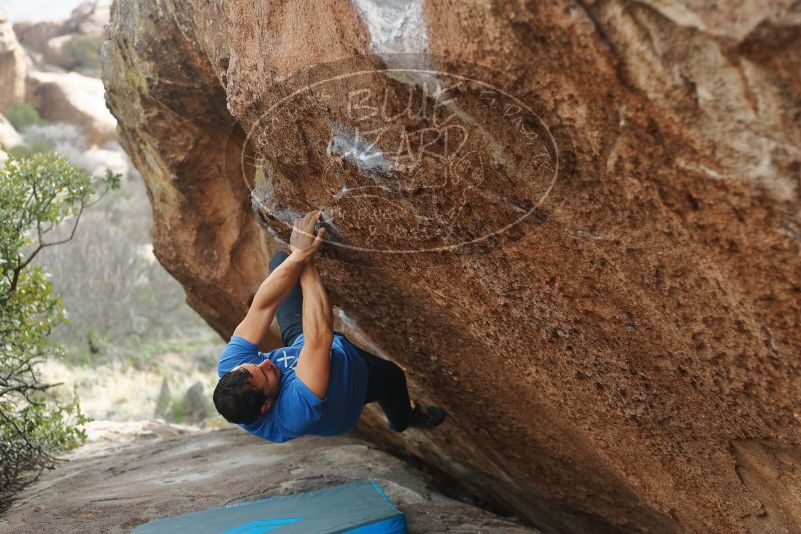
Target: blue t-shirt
297	411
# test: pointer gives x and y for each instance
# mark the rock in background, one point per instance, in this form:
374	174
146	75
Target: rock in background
75	99
54	66
13	66
9	137
35	35
601	365
56	42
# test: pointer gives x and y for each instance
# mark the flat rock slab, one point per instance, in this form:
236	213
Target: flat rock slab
132	473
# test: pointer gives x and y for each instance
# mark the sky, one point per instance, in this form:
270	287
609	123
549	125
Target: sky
17	10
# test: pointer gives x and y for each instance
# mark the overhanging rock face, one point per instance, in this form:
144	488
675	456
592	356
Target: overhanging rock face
576	225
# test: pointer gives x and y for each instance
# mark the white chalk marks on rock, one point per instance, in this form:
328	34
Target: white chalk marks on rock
402	159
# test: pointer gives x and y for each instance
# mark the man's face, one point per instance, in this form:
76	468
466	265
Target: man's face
267	377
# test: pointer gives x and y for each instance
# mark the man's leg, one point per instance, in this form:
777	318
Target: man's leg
290	312
386	383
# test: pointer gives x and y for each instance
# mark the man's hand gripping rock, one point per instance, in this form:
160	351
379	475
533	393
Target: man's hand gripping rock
303	242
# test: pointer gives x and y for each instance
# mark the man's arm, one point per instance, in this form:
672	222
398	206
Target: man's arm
318	332
303	244
271	292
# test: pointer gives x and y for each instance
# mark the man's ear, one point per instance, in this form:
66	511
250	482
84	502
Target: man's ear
266	406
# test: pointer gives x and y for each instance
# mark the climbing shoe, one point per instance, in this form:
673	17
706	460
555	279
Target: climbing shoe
426	415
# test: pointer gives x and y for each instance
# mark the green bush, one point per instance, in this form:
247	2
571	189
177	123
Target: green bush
193	407
23	115
178	411
83	51
38	146
37	195
48	427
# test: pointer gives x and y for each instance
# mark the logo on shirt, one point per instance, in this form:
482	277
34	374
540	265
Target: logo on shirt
287	361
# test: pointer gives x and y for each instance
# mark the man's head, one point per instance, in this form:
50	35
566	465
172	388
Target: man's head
247	392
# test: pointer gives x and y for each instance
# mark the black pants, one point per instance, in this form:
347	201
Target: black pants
386	382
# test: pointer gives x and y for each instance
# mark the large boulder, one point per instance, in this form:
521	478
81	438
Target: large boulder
89	18
73	98
53	51
71	44
13	65
35	35
601	282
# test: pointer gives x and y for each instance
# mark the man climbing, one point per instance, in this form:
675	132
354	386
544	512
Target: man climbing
319	382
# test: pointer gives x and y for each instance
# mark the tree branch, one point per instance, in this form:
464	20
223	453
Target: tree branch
38	249
23	387
72	232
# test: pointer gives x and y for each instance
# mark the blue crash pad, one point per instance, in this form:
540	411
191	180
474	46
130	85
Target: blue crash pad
359	507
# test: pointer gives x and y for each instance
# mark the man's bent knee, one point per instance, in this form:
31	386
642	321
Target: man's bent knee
396	377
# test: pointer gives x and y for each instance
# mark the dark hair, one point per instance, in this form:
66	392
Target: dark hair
236	399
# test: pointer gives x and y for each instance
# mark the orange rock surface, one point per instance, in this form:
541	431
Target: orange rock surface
603	288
